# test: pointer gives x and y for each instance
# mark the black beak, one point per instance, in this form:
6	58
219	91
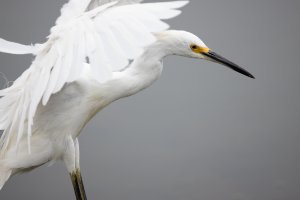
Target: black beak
217	58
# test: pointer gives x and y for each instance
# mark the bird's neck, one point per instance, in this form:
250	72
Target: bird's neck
148	67
153	54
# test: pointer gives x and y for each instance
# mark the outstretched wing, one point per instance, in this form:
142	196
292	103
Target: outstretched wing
108	36
15	48
74	8
96	3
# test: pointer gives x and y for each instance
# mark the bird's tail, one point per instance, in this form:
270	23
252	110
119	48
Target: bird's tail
5	173
15	48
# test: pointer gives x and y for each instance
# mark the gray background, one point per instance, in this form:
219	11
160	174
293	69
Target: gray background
202	131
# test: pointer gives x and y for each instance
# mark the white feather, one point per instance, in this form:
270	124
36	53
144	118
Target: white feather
15	48
109	36
97	3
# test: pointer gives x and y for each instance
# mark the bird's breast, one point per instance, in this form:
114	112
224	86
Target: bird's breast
68	111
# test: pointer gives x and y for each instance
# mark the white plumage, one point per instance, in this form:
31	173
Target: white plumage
106	33
79	35
83	66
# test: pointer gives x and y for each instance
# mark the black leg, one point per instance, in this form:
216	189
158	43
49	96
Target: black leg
78	185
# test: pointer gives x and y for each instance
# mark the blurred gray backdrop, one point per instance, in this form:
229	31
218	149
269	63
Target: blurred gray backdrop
202	131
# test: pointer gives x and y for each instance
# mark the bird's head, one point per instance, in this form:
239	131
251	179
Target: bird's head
186	44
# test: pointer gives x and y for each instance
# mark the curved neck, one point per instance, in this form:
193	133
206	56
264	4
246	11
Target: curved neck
152	54
158	50
146	68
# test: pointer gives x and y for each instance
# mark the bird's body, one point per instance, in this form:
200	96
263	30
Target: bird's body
75	105
72	79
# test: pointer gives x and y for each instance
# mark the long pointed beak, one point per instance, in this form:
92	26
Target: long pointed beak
217	58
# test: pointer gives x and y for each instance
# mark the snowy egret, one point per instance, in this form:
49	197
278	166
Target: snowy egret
99	51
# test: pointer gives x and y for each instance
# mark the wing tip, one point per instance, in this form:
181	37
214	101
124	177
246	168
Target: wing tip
184	3
178	4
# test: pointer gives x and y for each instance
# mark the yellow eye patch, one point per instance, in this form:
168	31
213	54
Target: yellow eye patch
198	49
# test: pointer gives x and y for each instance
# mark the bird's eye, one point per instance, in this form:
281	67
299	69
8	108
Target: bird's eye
194	47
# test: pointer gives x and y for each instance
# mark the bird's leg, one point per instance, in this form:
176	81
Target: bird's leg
78	185
75	185
81	185
71	159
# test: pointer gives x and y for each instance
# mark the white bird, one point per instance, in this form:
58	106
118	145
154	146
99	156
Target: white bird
99	51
